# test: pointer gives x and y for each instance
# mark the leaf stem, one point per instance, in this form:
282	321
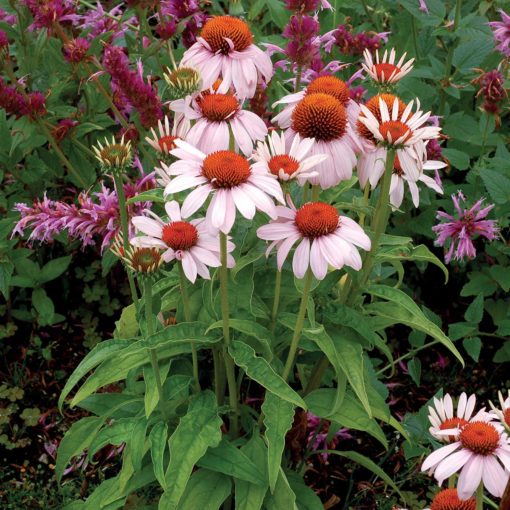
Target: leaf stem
479	497
229	362
187	317
152	352
299	325
276	301
409	354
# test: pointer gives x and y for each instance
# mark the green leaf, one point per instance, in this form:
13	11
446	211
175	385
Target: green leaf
260	370
137	442
414	367
497	184
53	269
229	460
346	357
457	159
76	439
97	355
402	308
127	325
474	312
502	275
278	13
206	490
471	54
479	283
249	496
283	497
114	434
367	464
153	195
43	306
503	353
306	497
158	439
151	398
278	418
197	431
473	347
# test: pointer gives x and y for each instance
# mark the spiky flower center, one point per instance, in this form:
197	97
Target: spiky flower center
284	163
114	154
393	130
319	116
167	143
506	416
182	81
452	423
448	499
480	437
384	71
330	85
145	260
226	169
180	235
218	107
316	219
220	28
373	105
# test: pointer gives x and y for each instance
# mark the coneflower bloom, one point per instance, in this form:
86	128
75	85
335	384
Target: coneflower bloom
216	115
442	416
287	165
325	239
481	453
190	242
448	499
322	117
460	229
163	141
231	180
225	49
400	130
385	70
503	413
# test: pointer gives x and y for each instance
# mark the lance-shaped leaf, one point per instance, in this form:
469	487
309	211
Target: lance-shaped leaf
206	490
283	497
158	439
197	431
260	370
278	418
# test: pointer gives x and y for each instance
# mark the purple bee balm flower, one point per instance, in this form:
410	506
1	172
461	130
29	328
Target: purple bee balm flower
460	229
100	21
48	12
10	19
304	6
320	436
95	216
75	50
423	6
501	32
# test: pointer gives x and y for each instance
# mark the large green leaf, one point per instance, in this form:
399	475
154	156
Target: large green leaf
197	431
77	438
158	439
97	355
404	310
206	490
283	497
229	460
249	496
346	357
260	370
151	398
278	418
116	433
306	497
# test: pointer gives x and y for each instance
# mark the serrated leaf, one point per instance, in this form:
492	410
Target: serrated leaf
497	184
473	347
474	312
53	269
278	419
198	430
260	370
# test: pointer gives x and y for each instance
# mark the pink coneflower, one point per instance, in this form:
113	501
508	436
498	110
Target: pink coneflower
190	242
503	413
322	117
460	230
273	157
163	141
325	238
225	49
386	70
216	115
442	416
481	454
231	180
448	499
501	32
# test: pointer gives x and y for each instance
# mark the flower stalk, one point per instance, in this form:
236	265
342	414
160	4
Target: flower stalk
479	497
276	301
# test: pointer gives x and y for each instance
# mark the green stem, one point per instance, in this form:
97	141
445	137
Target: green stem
449	58
316	191
276	302
479	497
410	354
317	375
229	362
187	317
117	178
299	325
299	73
152	352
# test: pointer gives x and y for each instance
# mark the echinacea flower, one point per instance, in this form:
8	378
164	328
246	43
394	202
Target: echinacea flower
163	141
114	155
460	230
503	413
442	416
385	70
325	238
231	180
501	32
216	116
142	261
182	82
287	164
189	242
225	49
448	499
481	454
322	117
